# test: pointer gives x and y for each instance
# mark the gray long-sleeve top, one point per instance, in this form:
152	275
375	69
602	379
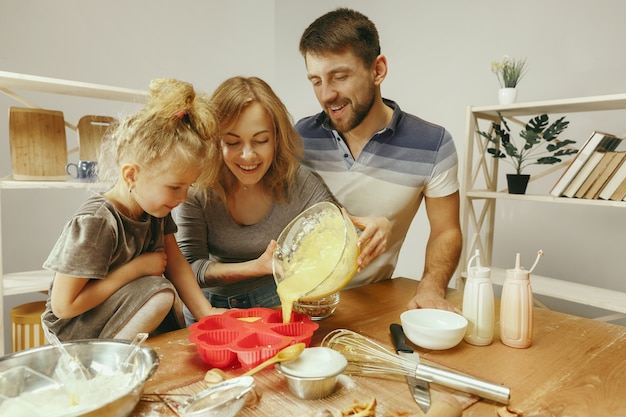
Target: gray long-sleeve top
207	232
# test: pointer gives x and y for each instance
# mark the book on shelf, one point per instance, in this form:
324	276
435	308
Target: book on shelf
597	140
582	174
616	180
614	161
620	193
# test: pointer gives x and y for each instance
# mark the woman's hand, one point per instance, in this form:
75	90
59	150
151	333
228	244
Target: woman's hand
265	260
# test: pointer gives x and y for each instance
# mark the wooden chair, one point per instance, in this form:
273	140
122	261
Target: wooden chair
91	129
38	144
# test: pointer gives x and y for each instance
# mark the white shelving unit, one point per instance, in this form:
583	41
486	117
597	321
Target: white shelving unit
33	281
479	195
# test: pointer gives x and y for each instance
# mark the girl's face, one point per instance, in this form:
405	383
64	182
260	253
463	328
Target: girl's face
249	145
158	194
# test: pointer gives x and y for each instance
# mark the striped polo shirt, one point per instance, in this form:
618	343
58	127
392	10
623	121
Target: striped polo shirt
400	164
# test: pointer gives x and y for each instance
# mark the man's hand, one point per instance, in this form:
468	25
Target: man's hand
428	296
373	239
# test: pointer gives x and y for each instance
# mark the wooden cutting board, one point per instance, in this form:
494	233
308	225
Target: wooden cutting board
38	144
91	129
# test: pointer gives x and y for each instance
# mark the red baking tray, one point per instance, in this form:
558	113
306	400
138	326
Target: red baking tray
247	337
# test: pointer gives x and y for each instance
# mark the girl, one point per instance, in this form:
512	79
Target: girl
112	256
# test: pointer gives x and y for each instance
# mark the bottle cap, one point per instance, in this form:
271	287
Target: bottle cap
477	271
518	272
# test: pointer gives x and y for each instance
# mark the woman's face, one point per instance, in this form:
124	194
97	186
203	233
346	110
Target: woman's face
249	144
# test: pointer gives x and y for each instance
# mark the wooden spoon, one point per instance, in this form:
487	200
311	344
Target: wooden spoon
287	354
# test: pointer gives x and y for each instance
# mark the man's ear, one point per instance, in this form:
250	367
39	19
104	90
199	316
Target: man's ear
129	175
380	69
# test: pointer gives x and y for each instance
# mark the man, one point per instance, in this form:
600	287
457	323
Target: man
376	159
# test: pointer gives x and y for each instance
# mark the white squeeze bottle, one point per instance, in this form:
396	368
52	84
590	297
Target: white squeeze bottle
478	305
516	306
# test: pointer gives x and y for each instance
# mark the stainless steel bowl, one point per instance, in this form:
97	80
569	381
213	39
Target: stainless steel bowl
225	399
307	378
100	357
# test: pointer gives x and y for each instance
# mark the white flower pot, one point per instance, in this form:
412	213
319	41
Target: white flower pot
507	95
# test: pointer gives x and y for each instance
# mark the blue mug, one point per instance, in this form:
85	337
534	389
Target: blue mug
82	171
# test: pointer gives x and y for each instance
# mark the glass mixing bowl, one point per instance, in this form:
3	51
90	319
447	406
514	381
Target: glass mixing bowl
317	309
318	249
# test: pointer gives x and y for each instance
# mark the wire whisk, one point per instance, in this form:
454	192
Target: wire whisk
366	357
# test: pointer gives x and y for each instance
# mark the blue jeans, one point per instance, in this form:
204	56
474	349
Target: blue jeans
264	296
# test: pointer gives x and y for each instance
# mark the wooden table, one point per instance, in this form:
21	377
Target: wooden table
575	366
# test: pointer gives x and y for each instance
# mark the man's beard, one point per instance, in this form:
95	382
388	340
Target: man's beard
359	113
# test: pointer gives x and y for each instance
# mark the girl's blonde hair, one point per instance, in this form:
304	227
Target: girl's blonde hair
229	101
174	131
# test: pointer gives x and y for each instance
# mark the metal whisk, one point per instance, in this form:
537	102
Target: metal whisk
367	357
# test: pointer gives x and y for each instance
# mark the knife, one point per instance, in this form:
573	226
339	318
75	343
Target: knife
419	387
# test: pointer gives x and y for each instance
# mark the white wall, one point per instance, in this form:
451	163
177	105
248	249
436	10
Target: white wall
439	55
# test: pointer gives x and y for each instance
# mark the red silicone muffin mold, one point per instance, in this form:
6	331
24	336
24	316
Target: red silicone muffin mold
247	337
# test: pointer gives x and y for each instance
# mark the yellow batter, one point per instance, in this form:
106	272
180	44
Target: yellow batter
316	258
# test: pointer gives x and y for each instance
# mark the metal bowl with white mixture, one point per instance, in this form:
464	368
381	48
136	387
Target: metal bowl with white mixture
112	391
313	375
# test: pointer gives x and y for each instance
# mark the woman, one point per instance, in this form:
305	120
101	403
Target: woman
227	232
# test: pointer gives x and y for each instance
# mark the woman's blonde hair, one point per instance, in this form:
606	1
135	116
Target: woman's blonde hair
174	131
229	101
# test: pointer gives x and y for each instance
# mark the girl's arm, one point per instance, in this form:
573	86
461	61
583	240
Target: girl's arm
180	274
72	296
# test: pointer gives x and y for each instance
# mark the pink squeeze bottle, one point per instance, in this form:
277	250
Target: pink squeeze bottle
516	306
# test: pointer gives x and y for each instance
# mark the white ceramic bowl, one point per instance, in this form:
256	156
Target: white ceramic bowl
433	329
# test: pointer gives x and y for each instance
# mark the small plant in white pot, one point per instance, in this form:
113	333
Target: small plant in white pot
509	72
540	145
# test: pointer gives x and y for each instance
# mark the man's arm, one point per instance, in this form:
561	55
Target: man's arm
442	253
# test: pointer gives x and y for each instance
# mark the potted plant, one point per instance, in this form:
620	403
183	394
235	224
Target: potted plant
540	146
509	73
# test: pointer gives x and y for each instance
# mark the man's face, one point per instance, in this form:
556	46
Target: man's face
344	87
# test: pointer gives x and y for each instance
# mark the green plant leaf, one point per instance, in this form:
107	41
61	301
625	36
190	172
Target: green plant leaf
555	129
489	137
551	147
511	150
537	124
548	160
531	137
496	153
